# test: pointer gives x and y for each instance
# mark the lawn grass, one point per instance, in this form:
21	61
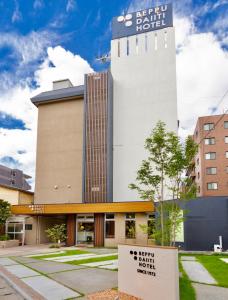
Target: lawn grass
216	267
95	259
66	253
187	291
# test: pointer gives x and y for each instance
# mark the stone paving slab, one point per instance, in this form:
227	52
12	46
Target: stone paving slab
70	257
21	271
81	256
49	288
48	267
43	254
25	260
225	260
100	263
7	261
87	280
196	272
188	258
109	267
207	292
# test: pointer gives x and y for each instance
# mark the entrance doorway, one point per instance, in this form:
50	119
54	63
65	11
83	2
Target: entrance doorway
85	229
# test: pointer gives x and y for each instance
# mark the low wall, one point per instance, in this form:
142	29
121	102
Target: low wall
9	243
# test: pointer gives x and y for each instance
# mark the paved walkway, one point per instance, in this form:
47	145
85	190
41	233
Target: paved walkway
7	292
57	280
207	292
196	271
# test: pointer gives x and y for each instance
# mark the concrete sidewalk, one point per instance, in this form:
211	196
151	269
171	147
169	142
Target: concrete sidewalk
209	292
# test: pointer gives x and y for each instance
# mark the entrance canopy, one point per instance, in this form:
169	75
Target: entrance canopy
66	208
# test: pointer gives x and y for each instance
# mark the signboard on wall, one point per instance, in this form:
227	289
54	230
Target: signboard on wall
148	272
142	21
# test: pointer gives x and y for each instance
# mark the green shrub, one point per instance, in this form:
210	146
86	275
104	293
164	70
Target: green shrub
4	237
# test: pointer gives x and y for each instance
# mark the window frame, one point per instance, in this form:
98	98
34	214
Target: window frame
207	168
226	139
225	124
209	139
212	189
108	220
210	156
127	220
208	124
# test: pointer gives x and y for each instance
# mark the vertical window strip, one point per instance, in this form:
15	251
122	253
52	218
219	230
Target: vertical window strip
137	44
128	47
165	38
118	50
146	42
155	42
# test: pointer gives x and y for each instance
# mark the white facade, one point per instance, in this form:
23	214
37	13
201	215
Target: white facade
144	91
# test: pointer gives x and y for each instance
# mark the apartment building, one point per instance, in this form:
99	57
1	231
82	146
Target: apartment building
90	139
14	178
211	162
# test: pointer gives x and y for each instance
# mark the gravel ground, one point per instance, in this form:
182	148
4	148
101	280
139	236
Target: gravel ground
111	295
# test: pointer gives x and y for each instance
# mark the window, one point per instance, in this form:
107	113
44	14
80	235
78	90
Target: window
197	161
198	188
226	124
210	155
110	226
130	226
208	126
226	154
28	226
150	226
226	139
209	141
227	169
211	171
212	186
198	175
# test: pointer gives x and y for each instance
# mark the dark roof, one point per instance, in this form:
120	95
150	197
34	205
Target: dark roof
60	94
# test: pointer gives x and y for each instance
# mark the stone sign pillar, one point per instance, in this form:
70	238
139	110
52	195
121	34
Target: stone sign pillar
148	272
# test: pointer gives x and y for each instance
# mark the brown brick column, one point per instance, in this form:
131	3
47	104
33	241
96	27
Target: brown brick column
98	230
71	228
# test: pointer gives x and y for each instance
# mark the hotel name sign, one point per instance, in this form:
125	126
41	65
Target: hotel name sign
142	21
144	272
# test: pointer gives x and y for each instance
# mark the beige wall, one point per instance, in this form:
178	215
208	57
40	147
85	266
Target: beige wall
14	196
46	222
31	235
141	238
59	152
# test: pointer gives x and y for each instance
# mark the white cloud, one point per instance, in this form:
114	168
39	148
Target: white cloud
16	102
202	72
29	47
71	5
17	16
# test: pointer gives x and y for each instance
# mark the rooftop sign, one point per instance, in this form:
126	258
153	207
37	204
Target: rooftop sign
142	21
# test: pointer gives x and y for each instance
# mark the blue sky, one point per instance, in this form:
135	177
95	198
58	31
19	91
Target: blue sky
40	40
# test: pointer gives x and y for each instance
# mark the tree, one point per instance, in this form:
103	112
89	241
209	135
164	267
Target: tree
5	213
167	161
57	234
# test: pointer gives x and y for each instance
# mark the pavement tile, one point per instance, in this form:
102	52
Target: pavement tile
50	289
4	261
87	280
188	258
83	256
225	260
207	292
48	267
100	263
21	271
196	272
25	260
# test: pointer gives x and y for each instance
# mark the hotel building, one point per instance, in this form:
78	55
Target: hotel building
90	139
210	170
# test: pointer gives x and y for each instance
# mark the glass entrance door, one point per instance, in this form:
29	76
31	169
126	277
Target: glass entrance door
85	229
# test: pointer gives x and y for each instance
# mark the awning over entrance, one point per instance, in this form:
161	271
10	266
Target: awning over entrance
42	209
